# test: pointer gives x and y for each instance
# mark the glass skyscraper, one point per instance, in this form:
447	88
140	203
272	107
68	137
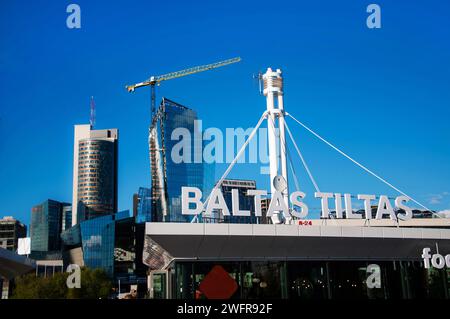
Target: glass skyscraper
94	173
46	221
168	176
143	205
66	217
97	237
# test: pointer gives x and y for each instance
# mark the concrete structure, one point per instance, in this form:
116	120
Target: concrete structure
10	231
48	268
95	160
244	241
317	261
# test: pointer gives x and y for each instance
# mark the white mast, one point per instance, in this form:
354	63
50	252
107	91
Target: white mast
273	90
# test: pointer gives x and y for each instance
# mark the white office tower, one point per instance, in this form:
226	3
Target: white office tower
95	154
273	90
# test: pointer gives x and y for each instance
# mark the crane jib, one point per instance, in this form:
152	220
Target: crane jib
156	79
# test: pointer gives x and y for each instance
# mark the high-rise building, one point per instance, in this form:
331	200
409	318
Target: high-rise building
265	203
66	220
142	205
95	160
168	174
246	202
10	231
46	221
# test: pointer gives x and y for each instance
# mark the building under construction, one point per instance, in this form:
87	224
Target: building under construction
168	177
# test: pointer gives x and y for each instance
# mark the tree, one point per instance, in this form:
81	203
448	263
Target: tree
95	284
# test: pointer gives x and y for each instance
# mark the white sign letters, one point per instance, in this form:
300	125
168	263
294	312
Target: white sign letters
192	204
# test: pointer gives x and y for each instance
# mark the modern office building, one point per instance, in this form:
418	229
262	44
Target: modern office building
324	259
95	160
46	225
246	202
113	243
168	175
66	218
10	231
142	205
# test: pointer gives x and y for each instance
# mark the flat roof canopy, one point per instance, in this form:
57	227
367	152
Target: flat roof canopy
13	265
184	241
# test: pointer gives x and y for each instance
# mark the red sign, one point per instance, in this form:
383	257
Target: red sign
218	284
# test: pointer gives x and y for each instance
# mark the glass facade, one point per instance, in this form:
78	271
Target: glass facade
66	217
71	237
97	237
246	202
46	226
169	176
97	178
114	244
144	205
315	280
128	247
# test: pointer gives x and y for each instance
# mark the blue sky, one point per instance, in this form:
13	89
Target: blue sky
381	95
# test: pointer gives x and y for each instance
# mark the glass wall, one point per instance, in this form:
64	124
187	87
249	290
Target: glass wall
46	226
246	202
124	248
97	236
169	175
144	205
316	280
112	243
66	219
97	180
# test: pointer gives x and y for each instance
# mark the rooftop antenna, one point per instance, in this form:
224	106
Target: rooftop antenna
92	117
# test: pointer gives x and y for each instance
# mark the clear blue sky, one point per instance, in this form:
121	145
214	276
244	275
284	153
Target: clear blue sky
381	95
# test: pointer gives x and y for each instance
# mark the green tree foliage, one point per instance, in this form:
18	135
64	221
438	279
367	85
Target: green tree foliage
95	284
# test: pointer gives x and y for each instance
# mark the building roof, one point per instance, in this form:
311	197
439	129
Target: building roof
13	265
182	241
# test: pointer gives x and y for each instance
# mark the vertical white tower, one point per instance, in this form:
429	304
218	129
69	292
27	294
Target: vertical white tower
273	90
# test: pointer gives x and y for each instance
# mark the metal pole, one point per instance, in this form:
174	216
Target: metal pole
153	102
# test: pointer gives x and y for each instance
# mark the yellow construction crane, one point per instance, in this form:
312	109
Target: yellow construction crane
156	80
